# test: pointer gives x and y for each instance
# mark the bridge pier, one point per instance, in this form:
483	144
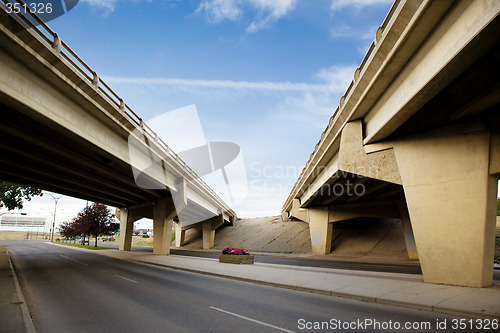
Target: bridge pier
321	230
180	235
452	205
449	215
127	218
208	230
126	229
163	219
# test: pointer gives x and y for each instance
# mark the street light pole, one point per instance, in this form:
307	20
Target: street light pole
56	199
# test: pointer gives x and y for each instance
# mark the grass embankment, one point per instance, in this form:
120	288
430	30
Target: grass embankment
3	250
90	247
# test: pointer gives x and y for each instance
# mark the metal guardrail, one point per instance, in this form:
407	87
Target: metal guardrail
52	40
353	83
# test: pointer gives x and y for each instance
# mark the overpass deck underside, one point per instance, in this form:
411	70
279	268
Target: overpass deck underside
348	188
36	152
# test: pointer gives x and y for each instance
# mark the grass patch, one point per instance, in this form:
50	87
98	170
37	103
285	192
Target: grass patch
3	250
144	242
90	247
17	303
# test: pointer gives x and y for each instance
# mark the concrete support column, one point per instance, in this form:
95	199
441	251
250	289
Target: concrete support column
208	234
162	227
411	246
452	205
321	231
284	216
126	229
232	220
180	235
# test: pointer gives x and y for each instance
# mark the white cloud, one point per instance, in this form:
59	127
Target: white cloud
300	102
107	6
267	11
313	107
224	84
220	10
339	4
271	11
358	32
337	77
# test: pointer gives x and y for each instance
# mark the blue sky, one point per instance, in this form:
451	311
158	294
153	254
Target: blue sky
266	75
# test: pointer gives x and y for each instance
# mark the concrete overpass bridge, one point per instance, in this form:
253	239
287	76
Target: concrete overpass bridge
416	137
63	129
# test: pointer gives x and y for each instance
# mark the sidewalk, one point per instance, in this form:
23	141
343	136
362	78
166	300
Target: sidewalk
406	290
12	307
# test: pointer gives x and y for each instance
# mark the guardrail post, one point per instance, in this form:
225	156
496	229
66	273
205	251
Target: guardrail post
378	35
56	45
122	105
95	81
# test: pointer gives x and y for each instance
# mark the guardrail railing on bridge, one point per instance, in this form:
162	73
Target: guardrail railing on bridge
336	113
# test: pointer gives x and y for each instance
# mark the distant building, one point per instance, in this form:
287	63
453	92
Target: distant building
22	223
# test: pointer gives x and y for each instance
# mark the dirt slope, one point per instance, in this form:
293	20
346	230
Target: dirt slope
363	237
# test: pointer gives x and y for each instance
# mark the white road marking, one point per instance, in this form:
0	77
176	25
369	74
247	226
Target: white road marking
125	278
78	261
252	320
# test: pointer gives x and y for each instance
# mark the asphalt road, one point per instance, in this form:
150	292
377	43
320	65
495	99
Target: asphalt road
75	291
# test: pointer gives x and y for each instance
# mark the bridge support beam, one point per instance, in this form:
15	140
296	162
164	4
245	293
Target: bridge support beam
297	212
126	228
163	219
452	205
180	235
127	217
208	230
321	230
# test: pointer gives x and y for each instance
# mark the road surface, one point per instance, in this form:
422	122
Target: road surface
74	291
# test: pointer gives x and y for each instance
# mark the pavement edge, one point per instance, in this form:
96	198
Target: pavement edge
28	321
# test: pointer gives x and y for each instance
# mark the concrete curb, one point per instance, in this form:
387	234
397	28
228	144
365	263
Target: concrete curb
28	321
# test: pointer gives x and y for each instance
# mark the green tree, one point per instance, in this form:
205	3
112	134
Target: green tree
13	195
498	207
